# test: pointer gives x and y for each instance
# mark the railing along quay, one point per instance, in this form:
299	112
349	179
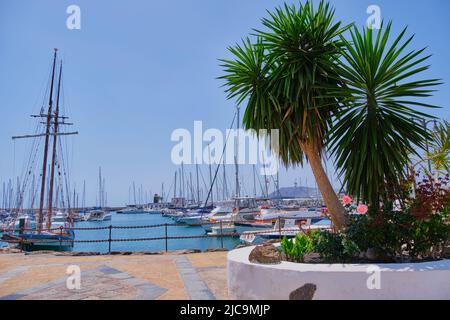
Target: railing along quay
166	236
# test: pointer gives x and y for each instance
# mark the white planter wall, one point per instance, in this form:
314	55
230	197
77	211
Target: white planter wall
427	280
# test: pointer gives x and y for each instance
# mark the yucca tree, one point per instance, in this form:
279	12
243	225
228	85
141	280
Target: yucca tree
376	130
282	77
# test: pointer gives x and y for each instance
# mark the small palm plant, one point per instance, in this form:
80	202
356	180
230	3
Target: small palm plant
296	249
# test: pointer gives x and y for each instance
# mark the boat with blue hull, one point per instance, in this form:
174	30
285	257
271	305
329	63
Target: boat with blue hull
42	241
45	233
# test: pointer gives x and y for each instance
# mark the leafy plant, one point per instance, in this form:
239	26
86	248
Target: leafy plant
439	149
385	234
428	237
296	249
375	130
335	247
283	76
432	195
394	234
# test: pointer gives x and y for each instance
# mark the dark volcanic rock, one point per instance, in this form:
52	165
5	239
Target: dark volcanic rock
265	254
446	252
216	250
305	292
185	251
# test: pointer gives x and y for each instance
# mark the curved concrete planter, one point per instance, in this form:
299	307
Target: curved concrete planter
427	280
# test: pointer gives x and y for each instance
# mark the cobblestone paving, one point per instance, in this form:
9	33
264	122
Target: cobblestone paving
138	277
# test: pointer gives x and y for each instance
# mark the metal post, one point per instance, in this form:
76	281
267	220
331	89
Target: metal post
60	236
279	226
110	238
221	234
425	125
165	227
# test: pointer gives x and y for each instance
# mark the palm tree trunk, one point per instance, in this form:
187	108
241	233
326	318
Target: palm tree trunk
335	207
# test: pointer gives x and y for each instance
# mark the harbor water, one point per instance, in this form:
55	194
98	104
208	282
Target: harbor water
126	220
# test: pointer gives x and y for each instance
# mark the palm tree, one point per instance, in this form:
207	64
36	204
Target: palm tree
282	76
439	153
376	129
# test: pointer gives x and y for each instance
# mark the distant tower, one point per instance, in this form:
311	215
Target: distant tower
157	198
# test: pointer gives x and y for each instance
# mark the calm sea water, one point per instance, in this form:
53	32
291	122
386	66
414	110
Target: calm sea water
150	245
153	245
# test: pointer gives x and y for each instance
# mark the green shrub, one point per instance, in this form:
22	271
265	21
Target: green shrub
428	237
335	247
296	249
397	233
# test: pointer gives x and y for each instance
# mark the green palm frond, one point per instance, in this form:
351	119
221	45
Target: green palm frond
439	153
281	77
375	130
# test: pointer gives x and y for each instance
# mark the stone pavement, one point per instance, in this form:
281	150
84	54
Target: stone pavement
137	277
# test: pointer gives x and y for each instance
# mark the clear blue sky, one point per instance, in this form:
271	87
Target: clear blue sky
137	70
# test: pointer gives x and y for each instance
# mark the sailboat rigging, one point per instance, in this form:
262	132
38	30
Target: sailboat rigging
48	237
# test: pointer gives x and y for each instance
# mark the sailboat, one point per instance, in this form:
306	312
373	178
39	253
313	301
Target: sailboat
228	226
46	233
100	214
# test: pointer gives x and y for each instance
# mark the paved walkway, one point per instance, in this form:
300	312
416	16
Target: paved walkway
140	277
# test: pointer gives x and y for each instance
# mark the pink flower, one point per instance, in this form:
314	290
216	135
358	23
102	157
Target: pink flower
346	200
362	209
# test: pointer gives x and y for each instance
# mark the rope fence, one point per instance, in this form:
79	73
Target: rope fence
219	233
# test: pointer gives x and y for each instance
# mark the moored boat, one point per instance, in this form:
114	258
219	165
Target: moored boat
288	226
99	215
45	234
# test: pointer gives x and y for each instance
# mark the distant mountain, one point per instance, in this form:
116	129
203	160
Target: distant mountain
295	192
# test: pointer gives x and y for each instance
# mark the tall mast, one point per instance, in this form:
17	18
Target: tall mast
190	186
104	200
175	186
3	196
134	192
55	142
74	198
210	175
237	156
180	181
278	184
254	181
47	136
225	191
83	201
99	201
183	183
265	177
198	190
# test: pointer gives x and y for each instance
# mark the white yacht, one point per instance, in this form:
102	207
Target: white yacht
217	215
60	217
227	212
131	209
98	215
292	224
